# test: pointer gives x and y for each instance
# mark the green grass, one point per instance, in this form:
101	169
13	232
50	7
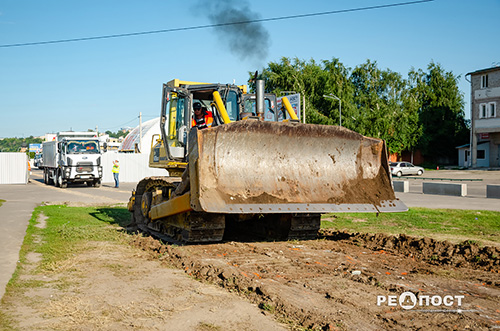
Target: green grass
67	231
68	228
451	224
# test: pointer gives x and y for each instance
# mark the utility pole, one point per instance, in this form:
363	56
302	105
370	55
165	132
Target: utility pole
304	108
140	131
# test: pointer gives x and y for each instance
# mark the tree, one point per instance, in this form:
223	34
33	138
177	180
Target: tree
385	108
312	80
441	112
15	144
299	76
117	134
425	110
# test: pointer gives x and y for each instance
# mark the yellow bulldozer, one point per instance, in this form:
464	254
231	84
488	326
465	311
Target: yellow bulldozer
256	169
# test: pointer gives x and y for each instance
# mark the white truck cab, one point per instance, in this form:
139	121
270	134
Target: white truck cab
73	157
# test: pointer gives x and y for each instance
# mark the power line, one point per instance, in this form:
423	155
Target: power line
119	125
213	25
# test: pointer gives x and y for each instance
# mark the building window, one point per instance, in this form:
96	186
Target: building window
480	154
492	109
483	110
488	110
484	81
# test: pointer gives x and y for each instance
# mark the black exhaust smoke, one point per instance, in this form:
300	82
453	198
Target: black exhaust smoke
247	40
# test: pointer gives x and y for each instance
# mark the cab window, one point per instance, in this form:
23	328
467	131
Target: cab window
269	115
175	107
232	105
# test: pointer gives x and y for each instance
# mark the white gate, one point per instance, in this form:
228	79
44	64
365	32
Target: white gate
14	168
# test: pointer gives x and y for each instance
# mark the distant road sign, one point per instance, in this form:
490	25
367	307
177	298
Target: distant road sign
36	148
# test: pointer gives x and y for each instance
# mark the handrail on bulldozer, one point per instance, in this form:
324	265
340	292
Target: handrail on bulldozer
221	107
289	108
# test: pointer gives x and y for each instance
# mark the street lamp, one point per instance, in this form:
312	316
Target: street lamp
331	96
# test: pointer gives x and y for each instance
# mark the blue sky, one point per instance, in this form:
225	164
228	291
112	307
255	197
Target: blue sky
106	83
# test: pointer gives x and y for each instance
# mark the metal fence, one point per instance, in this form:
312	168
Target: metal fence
133	167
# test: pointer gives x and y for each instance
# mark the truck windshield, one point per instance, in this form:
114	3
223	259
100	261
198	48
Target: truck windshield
83	147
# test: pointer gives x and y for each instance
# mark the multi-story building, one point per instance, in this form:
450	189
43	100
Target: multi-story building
485	118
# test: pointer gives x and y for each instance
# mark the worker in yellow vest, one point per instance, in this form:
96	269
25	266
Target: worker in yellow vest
116	172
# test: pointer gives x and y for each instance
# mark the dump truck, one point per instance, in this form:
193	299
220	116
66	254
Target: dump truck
251	173
73	157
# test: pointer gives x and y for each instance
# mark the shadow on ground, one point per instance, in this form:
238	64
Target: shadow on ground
118	215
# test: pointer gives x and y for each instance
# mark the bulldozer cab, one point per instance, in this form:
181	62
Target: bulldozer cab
225	102
250	105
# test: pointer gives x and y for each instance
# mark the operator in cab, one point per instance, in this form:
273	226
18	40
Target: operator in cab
202	118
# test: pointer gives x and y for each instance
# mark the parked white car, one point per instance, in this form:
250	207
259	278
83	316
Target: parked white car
405	168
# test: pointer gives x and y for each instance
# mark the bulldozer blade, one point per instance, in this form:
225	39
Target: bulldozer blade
259	167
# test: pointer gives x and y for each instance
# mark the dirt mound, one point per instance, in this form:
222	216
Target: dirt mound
466	254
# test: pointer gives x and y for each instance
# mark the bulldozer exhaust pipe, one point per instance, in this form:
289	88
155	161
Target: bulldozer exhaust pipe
259	87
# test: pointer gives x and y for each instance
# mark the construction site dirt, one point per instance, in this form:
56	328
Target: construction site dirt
352	281
340	281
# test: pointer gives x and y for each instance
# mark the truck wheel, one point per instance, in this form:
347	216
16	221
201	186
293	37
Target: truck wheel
45	178
97	183
56	179
60	181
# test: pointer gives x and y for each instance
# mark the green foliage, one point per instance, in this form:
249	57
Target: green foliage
441	112
116	134
15	144
385	108
424	110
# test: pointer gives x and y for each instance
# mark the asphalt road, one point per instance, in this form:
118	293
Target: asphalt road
22	199
476	181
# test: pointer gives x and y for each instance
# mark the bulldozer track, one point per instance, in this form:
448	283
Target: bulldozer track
195	227
179	228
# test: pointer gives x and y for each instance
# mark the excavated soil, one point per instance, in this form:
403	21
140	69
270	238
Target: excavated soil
340	281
